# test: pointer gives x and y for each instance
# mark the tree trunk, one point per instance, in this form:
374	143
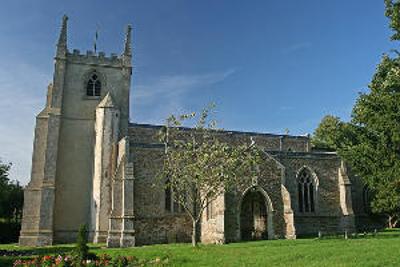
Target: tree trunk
392	221
194	233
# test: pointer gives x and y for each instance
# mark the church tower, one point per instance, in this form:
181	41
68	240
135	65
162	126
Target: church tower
76	145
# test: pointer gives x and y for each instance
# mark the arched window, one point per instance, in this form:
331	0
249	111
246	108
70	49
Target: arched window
210	209
306	191
170	204
93	86
168	197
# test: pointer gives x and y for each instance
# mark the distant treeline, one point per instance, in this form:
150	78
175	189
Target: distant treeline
11	203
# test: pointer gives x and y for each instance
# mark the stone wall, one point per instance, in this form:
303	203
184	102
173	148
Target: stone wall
213	222
277	181
150	210
153	223
328	213
364	218
163	229
269	183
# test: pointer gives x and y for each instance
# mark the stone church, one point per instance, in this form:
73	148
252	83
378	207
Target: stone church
92	166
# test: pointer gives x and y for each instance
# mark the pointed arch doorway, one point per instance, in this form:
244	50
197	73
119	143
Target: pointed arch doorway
255	215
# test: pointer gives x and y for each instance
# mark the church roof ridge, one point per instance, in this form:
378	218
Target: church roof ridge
146	125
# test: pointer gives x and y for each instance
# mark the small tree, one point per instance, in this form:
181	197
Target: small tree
199	166
82	249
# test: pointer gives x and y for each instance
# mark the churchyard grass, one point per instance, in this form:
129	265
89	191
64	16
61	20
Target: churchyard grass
380	250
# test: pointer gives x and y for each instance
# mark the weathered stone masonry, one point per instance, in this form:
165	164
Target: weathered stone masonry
91	166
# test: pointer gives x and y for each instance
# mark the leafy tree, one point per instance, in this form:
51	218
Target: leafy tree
4	180
199	166
375	156
393	13
326	136
11	196
15	202
370	143
332	134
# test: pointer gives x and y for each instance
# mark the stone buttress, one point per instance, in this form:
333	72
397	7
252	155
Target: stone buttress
106	128
347	222
121	223
39	195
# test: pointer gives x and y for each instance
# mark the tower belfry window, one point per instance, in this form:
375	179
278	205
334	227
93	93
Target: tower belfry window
93	87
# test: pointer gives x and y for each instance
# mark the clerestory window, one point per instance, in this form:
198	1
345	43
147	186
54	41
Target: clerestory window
306	191
93	86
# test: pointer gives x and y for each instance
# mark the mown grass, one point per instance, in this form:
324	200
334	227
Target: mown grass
382	250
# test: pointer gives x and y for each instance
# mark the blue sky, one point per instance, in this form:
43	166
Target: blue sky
269	65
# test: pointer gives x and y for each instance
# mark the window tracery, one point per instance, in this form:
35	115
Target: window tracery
306	191
93	86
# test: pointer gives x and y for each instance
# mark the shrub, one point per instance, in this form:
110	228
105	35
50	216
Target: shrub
101	261
9	232
81	251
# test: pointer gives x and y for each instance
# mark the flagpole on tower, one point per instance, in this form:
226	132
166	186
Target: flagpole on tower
96	36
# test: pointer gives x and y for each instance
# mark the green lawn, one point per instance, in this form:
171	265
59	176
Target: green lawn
383	250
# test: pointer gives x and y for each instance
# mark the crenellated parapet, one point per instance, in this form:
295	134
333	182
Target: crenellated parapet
96	59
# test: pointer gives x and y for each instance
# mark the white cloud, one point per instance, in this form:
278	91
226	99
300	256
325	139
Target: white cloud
22	90
153	101
296	47
175	85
